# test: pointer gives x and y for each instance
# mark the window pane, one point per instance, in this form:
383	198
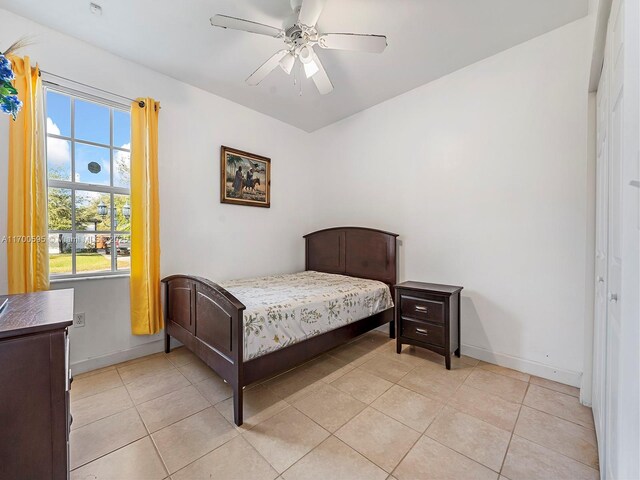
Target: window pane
92	122
123	252
93	164
59	209
58	158
58	114
89	258
122	166
122	213
60	254
122	129
96	216
93	211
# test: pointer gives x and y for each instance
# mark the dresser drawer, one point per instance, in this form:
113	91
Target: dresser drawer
422	309
423	332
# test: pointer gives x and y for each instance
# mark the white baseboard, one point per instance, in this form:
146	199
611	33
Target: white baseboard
94	363
567	377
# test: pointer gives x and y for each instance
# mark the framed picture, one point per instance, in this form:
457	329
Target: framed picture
245	178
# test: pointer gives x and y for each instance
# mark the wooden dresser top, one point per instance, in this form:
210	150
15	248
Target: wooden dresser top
36	312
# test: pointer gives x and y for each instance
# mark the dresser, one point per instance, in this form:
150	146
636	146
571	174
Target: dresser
34	385
427	315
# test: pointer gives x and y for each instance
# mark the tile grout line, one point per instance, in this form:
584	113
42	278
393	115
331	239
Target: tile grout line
412	428
432	397
157	450
424	434
104	391
133	404
447	404
341	441
556	416
333	433
267	419
417	440
560	418
544	446
173	423
555	451
220	446
150	435
558	391
459	453
123	446
529	381
211	405
515	424
97	393
108	453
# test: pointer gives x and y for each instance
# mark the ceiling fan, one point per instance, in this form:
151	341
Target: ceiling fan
300	36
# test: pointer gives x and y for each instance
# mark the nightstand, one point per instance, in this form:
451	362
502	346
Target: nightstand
427	315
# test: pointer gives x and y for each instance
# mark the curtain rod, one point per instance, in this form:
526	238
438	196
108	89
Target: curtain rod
140	103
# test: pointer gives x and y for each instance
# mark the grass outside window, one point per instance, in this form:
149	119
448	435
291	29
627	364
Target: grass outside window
85	263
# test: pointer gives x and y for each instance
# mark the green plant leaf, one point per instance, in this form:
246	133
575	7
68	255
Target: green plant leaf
7	89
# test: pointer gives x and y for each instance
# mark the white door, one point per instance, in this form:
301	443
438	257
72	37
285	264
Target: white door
614	257
616	338
601	250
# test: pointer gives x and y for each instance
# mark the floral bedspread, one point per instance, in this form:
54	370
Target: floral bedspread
286	309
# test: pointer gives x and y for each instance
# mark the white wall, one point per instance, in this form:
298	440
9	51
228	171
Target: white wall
198	234
483	173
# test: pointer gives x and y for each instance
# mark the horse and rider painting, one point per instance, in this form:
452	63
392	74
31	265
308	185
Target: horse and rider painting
245	178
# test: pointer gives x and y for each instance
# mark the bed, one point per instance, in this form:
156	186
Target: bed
285	320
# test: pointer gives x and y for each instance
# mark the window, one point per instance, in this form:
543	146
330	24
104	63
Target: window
88	165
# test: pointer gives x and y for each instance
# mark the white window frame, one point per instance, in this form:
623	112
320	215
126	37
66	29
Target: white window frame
74	186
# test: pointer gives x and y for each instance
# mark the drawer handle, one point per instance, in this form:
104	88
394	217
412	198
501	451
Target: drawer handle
421	309
422	331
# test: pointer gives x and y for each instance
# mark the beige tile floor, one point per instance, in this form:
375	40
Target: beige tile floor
359	412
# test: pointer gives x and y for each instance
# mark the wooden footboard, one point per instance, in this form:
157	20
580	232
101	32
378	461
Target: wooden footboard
208	320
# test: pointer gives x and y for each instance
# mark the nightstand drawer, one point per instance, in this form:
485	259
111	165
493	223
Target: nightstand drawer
422	309
423	332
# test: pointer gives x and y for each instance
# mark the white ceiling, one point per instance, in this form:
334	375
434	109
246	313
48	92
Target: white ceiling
427	39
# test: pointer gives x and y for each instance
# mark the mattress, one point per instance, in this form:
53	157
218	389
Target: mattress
287	309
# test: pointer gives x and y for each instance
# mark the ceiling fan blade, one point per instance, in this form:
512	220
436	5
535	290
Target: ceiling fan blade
320	78
224	21
266	68
354	42
310	12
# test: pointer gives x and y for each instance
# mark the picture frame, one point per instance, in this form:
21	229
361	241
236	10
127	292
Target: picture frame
245	178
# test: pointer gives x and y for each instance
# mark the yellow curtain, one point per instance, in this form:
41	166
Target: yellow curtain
146	308
27	246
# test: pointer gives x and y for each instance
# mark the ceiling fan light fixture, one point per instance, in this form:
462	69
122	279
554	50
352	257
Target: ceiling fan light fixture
287	63
310	68
305	53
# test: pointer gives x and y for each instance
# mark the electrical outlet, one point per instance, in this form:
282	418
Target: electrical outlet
78	319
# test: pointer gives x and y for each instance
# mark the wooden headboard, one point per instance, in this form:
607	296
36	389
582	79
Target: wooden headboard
355	251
